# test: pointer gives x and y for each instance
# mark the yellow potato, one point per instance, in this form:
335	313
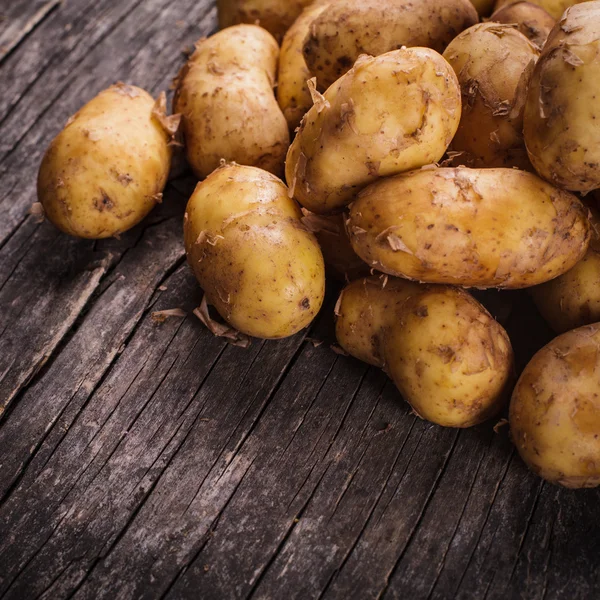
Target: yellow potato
484	7
562	127
472	227
258	265
555	410
448	357
555	8
493	64
349	28
106	170
389	114
225	96
531	20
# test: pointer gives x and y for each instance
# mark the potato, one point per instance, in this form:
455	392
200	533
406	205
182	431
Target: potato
389	114
555	8
256	262
106	170
531	20
562	130
472	227
448	357
225	96
484	7
274	15
555	410
345	30
493	64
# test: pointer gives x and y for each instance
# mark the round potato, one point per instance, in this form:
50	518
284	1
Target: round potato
472	227
389	114
225	96
493	64
448	357
562	129
106	170
483	7
555	8
555	410
256	262
531	20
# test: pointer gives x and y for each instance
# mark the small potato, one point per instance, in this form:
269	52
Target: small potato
562	128
472	227
531	20
493	64
256	262
345	30
225	96
448	357
555	8
389	114
555	410
483	7
106	170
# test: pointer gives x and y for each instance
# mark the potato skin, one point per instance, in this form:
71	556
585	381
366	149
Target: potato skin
532	20
345	30
472	227
225	96
388	114
258	265
106	170
483	7
493	64
555	8
448	357
562	129
555	410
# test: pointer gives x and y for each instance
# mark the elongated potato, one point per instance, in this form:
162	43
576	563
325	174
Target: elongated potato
258	265
532	20
555	8
562	122
106	170
389	114
493	64
555	410
345	30
225	96
448	357
472	227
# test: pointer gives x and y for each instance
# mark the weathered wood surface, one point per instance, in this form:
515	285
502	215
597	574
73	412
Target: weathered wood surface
146	460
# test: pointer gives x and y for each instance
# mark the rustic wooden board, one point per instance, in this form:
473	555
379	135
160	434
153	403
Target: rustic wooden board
145	459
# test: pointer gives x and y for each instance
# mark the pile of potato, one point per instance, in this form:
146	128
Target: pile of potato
412	149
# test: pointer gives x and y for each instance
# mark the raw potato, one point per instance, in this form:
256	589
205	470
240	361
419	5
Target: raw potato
389	114
531	20
472	227
484	7
258	265
293	94
349	28
274	15
494	64
448	357
225	96
555	8
106	170
555	410
562	121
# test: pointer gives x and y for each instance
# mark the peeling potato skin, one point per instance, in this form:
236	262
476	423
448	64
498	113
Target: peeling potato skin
448	357
493	64
225	96
258	265
106	170
562	121
480	228
531	20
555	410
555	8
345	30
387	115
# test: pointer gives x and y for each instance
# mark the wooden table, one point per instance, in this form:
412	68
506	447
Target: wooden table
150	459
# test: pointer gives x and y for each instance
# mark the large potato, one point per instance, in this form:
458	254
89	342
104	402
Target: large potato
106	170
555	8
256	262
555	410
483	7
448	357
345	30
472	227
562	128
493	63
531	20
389	114
225	96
